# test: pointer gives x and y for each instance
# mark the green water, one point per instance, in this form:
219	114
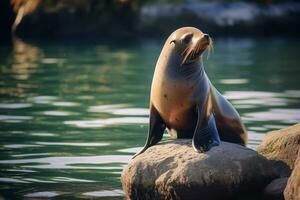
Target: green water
71	116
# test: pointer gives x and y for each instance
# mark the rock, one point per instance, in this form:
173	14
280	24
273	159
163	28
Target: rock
292	190
274	191
282	145
173	170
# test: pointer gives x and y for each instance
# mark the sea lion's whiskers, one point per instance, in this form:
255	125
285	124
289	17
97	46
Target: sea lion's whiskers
185	50
193	53
186	55
198	47
210	48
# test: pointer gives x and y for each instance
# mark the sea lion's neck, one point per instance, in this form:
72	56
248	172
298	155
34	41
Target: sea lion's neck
193	71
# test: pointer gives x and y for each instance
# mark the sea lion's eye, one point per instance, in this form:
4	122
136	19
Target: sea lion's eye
187	38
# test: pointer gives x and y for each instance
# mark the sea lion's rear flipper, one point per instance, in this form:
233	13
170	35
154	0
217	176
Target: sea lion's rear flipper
206	137
155	131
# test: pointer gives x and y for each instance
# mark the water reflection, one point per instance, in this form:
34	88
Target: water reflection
58	61
45	194
131	150
14	105
65	104
78	144
292	93
68	179
105	193
19	146
69	162
32	154
59	113
282	115
12	180
119	109
42	99
34	180
25	57
274	127
234	81
20	170
14	118
17	68
44	134
256	98
100	123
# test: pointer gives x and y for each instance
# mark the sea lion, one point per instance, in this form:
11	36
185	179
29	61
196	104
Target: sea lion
184	101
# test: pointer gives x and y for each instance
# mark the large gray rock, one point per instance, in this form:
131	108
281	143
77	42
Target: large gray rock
173	170
292	190
282	145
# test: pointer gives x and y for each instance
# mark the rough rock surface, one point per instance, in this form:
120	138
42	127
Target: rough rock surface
173	170
292	190
282	145
274	191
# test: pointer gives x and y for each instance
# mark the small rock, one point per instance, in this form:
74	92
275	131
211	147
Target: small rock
292	190
282	145
274	191
173	170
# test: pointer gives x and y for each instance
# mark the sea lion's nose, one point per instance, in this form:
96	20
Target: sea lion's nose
206	36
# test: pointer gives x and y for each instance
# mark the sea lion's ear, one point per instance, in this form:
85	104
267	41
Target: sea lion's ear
172	41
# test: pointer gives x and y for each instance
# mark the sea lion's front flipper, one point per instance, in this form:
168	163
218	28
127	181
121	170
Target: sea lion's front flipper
155	131
207	136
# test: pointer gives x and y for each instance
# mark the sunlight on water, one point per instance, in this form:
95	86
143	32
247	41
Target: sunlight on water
8	118
256	98
15	105
82	144
34	180
46	194
65	104
52	61
107	122
292	93
119	110
105	193
234	81
68	162
231	95
59	113
281	115
12	180
44	134
131	150
66	179
31	154
72	116
19	146
42	99
20	170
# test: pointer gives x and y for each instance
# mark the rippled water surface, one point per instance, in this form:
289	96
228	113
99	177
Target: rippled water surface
71	116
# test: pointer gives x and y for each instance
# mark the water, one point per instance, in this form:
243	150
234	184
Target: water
71	116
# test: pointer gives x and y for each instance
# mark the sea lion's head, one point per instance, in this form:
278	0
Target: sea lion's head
188	43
